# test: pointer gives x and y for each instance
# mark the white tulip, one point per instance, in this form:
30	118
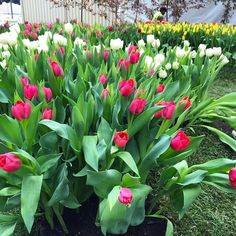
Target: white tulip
68	27
59	40
141	51
6	54
159	58
15	28
202	53
116	44
156	43
79	42
209	52
180	52
3	64
217	51
234	134
186	43
175	65
162	74
168	66
141	43
202	47
150	38
148	61
193	54
43	47
224	59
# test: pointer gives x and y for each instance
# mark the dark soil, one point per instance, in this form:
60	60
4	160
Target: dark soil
82	223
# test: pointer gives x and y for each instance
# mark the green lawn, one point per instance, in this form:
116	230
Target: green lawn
214	212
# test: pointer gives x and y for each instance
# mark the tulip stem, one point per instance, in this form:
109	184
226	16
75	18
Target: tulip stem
154	202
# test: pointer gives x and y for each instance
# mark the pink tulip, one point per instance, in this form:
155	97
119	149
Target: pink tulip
21	110
10	162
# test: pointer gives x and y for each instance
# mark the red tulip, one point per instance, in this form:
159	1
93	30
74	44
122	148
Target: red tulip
30	91
137	106
21	110
132	48
232	177
186	100
126	87
57	70
125	196
121	138
106	55
123	63
47	114
134	57
160	88
34	35
103	79
105	92
10	162
168	112
36	56
24	81
49	25
110	28
180	142
28	27
26	33
48	93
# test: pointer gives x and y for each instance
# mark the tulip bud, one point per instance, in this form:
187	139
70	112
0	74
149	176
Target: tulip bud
48	94
160	88
168	112
106	55
126	87
186	101
56	68
134	57
232	177
132	48
21	110
24	81
105	92
180	142
47	114
123	63
125	196
121	138
10	162
30	91
137	106
103	79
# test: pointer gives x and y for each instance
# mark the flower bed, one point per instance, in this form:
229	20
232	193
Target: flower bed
80	118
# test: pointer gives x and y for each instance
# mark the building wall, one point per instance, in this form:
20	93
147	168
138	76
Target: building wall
45	11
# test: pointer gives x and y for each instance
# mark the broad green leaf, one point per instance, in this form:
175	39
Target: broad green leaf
61	186
30	194
223	137
64	131
190	193
9	191
32	125
103	181
142	120
10	131
7	224
159	148
220	181
218	165
48	161
90	151
128	159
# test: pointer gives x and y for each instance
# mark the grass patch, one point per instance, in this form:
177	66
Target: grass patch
214	212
